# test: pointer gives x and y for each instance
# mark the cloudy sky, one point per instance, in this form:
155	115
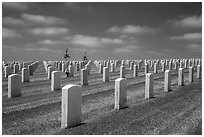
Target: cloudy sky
43	31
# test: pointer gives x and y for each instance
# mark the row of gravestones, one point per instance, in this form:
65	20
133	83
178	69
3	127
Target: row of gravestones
72	96
150	62
102	69
86	71
20	67
16	66
103	66
78	65
15	80
63	65
12	63
129	63
55	76
177	63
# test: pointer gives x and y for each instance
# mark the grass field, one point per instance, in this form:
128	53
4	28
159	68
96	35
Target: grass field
38	110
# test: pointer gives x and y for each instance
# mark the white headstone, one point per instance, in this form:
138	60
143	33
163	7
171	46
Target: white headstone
100	68
112	67
14	85
155	68
163	66
12	65
135	71
105	74
71	70
120	93
8	71
176	66
193	63
146	69
167	80
140	64
122	71
30	67
49	74
56	80
199	71
71	105
189	63
45	66
107	64
123	63
84	77
16	68
190	77
185	63
149	85
88	68
77	66
115	64
25	75
200	62
170	66
20	66
196	62
80	65
63	67
59	66
131	65
180	77
181	64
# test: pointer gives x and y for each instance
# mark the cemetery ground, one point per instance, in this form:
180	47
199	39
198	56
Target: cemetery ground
38	110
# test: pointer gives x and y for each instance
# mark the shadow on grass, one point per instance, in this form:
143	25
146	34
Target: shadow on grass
82	123
124	108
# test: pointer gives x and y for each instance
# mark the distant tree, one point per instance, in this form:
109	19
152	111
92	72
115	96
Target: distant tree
66	56
85	58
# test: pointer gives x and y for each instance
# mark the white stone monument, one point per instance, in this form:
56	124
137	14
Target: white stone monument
146	69
120	93
71	70
63	67
167	81
20	66
8	71
155	68
135	71
100	68
16	68
149	85
105	74
163	66
55	80
199	71
14	85
25	75
170	66
71	106
84	77
190	76
180	77
49	74
30	67
112	67
122	71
